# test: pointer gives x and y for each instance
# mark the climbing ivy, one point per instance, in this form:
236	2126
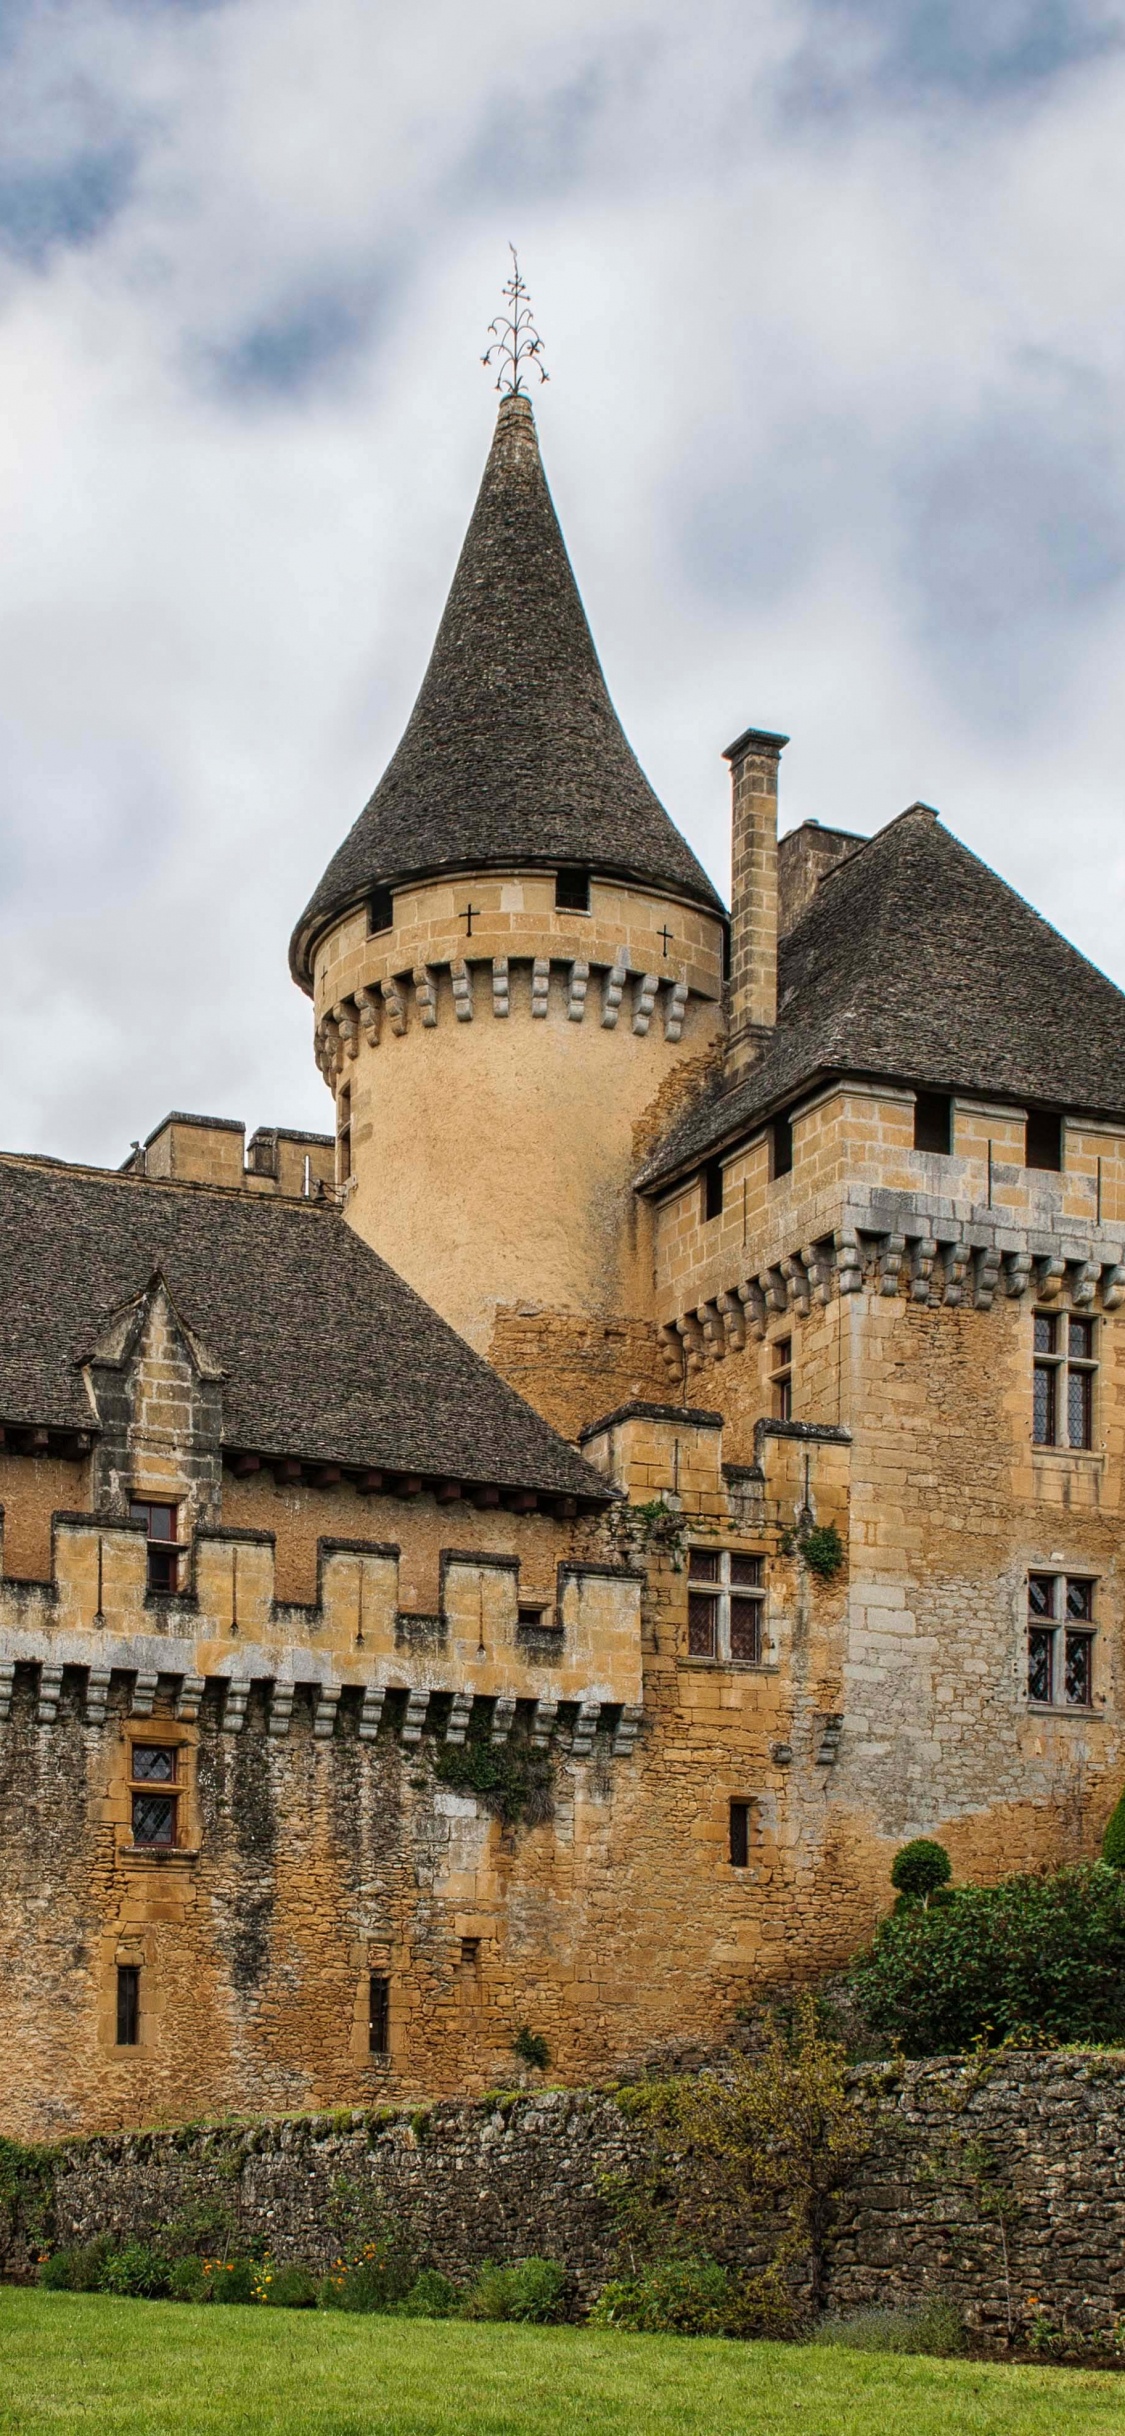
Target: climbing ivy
509	1778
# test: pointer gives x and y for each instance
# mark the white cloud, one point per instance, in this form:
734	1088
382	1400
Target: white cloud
832	297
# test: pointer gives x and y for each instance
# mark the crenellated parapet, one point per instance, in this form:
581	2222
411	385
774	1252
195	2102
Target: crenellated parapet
564	1653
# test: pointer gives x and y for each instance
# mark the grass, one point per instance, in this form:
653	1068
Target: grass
152	2368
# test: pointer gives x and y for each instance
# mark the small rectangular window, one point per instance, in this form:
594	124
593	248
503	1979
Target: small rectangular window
1065	1367
781	1378
470	1953
726	1606
740	1835
379	2014
781	1146
154	1795
572	891
933	1122
380	911
128	2004
1060	1641
713	1189
1044	1143
163	1549
344	1135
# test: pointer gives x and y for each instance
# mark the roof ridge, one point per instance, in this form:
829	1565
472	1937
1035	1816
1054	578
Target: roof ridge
167	1184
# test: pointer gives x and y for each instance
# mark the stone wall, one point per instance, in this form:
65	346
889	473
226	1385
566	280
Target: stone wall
990	2182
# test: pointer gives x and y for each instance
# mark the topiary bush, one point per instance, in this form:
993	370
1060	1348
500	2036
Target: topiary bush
919	1868
1033	1958
528	2294
1113	1841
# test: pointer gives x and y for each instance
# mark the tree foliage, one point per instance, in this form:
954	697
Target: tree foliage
1113	1841
918	1868
1038	1957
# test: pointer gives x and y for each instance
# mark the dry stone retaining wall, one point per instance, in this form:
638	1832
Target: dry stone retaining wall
989	2181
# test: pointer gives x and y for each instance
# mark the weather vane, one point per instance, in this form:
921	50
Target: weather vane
515	339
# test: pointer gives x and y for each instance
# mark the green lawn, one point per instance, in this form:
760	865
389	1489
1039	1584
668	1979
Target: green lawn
153	2368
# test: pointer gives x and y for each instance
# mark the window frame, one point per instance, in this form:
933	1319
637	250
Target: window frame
1059	1632
379	2013
574	876
171	1789
127	2026
719	1593
711	1183
933	1113
781	1378
162	1549
739	1830
1060	1370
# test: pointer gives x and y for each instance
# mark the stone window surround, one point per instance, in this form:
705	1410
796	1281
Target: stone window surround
720	1591
1056	1623
1057	1359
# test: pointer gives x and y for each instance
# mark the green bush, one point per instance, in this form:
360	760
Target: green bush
933	2327
509	1778
684	2296
532	2047
77	2269
528	2294
1033	1957
431	2295
287	2288
1113	1841
233	2279
920	1867
135	2273
377	2276
188	2280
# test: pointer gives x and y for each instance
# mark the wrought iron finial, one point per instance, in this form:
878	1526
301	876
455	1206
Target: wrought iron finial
515	339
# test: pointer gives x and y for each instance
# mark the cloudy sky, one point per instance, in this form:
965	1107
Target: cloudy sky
834	299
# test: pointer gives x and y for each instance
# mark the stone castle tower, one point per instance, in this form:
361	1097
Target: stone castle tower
517	969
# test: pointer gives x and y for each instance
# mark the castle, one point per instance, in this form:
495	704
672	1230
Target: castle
523	1560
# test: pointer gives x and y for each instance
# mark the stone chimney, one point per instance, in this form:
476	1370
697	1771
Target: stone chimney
753	759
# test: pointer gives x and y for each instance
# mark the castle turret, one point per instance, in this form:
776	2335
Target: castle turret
516	965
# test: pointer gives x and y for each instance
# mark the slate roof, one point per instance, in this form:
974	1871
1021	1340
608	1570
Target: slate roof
327	1353
916	962
513	752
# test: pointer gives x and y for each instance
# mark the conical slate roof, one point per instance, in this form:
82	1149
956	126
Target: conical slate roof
514	753
916	962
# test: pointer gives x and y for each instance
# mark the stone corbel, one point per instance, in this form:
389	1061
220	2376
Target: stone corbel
395	1006
369	1006
371	1712
7	1679
714	1334
417	1704
460	1711
425	995
281	1708
775	1294
1017	1273
675	1010
890	1264
817	1258
235	1704
1049	1283
671	1351
576	994
922	1268
50	1690
540	984
796	1283
1113	1288
957	1258
849	1262
734	1320
462	990
1085	1284
543	1723
647	988
613	989
753	1301
987	1278
97	1693
585	1728
144	1693
501	1001
502	1716
346	1020
628	1727
692	1335
330	1032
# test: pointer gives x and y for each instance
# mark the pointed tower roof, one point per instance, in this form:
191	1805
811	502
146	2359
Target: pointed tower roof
513	752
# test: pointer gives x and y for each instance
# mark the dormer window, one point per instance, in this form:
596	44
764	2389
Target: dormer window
572	891
380	911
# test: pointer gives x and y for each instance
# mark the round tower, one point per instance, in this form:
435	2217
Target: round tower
516	964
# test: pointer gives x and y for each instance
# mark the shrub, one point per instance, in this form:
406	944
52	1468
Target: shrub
685	2296
920	1867
532	2047
529	2294
135	2272
233	2279
509	1778
431	2295
823	1550
1033	1957
77	2269
376	2276
286	2288
933	2327
188	2280
54	2272
1113	1841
